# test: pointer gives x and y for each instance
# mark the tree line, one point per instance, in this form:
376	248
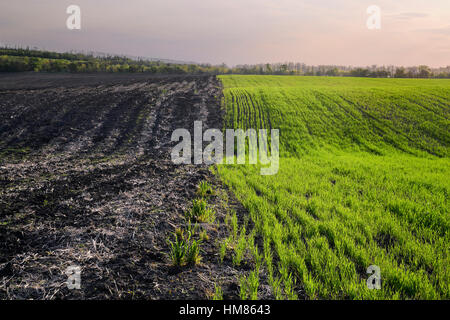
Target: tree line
345	71
20	60
25	59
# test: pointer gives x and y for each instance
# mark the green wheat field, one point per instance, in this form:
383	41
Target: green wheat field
363	180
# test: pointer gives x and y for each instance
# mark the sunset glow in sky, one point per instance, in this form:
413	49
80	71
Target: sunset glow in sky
315	32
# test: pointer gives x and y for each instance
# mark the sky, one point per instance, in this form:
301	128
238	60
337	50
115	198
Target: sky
331	32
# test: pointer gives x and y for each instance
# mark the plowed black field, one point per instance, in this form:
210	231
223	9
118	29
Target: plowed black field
86	179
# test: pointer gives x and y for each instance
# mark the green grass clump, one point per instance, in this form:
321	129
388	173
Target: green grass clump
218	293
200	212
193	252
178	248
223	250
362	180
249	286
184	250
204	189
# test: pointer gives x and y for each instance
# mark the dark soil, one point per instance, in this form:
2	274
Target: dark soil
86	179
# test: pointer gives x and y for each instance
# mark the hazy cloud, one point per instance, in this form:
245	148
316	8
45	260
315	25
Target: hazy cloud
442	30
408	15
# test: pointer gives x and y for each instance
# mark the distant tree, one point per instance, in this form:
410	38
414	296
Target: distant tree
400	73
333	72
360	72
424	72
